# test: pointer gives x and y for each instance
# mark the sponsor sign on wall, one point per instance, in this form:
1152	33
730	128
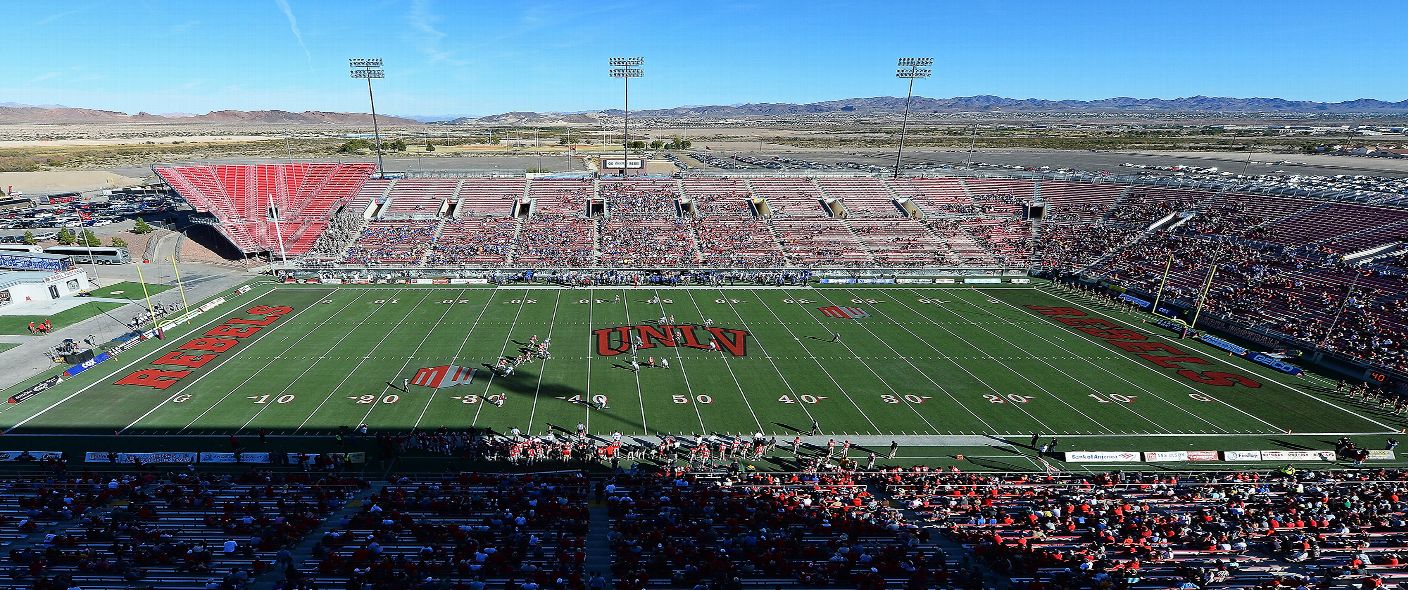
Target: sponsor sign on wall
230	458
145	458
8	456
1102	456
1297	455
1202	455
1166	456
1241	455
982	280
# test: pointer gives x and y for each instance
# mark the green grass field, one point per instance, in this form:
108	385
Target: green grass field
925	362
127	290
19	324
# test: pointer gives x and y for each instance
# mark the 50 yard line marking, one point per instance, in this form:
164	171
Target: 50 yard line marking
785	382
694	401
253	374
458	352
218	317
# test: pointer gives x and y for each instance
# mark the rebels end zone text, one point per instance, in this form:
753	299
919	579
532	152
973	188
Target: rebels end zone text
196	353
1158	353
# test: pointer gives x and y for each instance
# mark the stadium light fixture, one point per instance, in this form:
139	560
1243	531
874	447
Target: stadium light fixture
626	68
369	69
910	68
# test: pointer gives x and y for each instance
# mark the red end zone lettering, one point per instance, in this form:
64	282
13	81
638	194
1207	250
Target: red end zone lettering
1147	350
201	351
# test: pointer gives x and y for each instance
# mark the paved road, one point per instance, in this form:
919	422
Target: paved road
202	282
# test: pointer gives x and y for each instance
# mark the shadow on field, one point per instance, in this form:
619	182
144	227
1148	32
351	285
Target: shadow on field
1290	445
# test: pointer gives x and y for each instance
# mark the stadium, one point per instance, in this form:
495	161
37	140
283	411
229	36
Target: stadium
898	334
732	367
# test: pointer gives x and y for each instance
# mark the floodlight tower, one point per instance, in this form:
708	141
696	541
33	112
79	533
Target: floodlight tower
626	68
910	68
369	68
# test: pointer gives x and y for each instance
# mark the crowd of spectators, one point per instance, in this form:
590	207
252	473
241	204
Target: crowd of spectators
1305	291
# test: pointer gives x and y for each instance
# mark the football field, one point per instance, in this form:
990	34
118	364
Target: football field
1005	360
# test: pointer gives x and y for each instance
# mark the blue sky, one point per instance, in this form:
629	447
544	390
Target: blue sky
472	57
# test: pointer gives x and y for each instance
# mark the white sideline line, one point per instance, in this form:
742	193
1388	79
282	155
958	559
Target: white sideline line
219	317
252	375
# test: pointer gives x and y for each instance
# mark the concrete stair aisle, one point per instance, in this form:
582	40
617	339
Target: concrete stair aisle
304	550
598	547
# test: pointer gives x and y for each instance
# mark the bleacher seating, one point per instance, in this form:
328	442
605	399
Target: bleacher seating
420	197
474	241
490	196
862	197
556	240
789	197
393	243
718	197
240	197
560	196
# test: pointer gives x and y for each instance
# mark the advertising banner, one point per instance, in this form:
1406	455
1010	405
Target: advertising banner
1153	456
1102	456
1241	455
145	458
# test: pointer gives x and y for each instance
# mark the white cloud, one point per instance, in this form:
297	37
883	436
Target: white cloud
428	36
293	28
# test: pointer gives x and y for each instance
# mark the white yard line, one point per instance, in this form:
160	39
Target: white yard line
402	371
1040	359
458	352
389	331
291	382
828	374
218	318
1150	392
679	358
1009	369
1276	429
522	301
538	389
921	373
785	381
640	395
591	303
252	375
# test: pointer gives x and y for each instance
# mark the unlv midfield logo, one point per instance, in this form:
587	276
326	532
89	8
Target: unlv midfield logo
618	340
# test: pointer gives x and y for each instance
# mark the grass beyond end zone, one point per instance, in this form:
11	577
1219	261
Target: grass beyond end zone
19	324
127	290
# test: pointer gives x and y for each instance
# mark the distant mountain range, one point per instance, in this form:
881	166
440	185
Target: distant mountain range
12	113
882	105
